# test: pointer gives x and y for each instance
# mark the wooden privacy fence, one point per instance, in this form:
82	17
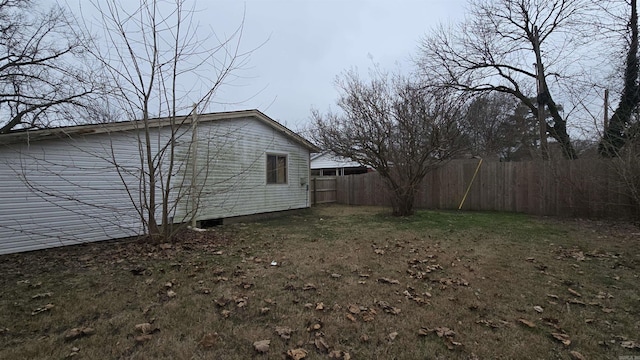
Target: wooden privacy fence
323	190
583	188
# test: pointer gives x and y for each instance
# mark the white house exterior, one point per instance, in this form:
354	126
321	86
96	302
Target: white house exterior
329	164
79	184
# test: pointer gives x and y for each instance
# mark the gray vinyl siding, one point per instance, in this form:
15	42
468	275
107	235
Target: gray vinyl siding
68	191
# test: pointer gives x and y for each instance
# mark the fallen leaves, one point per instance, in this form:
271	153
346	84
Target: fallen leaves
321	345
339	354
140	339
368	315
146	328
573	292
42	309
563	338
76	333
297	354
241	301
418	269
284	332
308	287
576	302
445	282
262	346
411	295
442	332
74	352
526	323
630	345
386	307
405	282
315	325
577	356
385	280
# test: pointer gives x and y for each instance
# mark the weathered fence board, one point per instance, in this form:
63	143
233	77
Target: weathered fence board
584	188
323	190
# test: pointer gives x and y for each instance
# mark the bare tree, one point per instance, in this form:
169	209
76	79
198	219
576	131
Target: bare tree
495	48
616	133
154	48
45	74
394	126
495	124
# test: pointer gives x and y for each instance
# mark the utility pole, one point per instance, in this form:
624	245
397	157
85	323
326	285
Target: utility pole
606	110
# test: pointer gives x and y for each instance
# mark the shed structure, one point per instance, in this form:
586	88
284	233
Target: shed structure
79	184
329	164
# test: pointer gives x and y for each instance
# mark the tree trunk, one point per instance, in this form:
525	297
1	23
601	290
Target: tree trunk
402	202
559	129
614	136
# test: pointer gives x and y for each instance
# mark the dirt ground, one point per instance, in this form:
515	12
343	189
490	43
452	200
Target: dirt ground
335	282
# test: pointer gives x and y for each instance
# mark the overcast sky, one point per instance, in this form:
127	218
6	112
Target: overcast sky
305	44
312	41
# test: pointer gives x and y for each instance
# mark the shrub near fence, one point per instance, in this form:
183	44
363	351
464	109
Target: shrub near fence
581	188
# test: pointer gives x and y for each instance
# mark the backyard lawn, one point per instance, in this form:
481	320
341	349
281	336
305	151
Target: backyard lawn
335	282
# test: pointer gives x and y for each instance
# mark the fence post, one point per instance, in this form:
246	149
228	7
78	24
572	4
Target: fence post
313	193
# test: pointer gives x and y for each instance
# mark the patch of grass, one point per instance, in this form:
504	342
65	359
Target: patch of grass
519	226
369	282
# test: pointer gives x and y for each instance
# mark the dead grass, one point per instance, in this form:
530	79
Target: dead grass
356	275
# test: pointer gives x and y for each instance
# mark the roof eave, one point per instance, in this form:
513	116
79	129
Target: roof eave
91	129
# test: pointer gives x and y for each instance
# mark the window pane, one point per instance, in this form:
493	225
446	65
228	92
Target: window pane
271	169
276	169
282	169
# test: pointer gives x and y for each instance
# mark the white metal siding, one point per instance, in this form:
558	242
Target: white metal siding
62	192
233	152
68	191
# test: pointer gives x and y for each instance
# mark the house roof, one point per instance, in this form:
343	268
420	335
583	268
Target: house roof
21	136
327	159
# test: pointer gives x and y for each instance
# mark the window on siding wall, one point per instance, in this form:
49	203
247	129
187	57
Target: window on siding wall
276	169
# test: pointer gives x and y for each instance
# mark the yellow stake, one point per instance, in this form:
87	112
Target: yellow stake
471	183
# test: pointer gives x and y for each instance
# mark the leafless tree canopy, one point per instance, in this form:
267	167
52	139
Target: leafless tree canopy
160	59
393	125
45	76
497	125
497	47
163	64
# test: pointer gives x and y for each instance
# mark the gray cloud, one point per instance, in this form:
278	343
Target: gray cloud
311	42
